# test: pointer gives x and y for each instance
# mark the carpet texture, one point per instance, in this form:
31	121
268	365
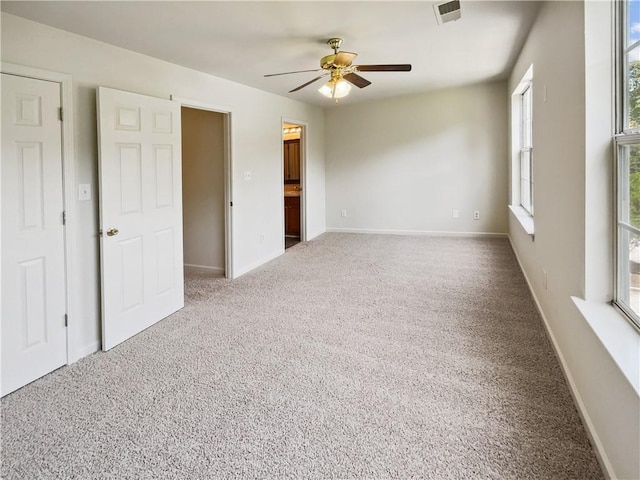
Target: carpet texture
351	356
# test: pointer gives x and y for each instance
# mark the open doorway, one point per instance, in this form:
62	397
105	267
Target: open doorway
292	175
203	191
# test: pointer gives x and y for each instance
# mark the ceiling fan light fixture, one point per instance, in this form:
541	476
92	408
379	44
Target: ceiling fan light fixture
335	88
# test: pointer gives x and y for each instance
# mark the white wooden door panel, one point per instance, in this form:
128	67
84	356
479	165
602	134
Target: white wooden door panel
141	198
33	271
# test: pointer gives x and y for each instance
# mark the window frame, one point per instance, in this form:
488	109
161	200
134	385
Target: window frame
624	137
523	215
621	67
526	147
623	228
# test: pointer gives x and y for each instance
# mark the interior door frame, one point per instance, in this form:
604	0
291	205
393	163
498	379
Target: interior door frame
303	174
228	173
68	188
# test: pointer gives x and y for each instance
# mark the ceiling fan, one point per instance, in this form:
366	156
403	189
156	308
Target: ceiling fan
342	72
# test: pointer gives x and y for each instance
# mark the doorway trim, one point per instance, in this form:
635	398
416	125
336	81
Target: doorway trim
228	173
68	196
303	173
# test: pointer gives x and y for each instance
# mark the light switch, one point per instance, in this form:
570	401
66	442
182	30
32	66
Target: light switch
84	192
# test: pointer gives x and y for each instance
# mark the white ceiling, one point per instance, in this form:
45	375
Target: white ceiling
243	40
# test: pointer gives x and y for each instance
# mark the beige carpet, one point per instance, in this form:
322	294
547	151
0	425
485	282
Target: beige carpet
350	356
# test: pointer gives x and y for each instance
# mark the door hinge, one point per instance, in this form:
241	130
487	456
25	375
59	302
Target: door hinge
66	320
61	114
231	204
64	218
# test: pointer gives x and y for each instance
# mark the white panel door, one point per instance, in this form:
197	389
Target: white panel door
34	340
140	212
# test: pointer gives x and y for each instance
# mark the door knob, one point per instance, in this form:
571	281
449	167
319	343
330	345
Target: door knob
112	232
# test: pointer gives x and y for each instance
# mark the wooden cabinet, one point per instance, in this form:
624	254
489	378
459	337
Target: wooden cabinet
292	161
292	216
292	176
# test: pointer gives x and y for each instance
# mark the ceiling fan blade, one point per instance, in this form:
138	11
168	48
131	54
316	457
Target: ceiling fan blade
344	59
305	84
384	68
357	80
288	73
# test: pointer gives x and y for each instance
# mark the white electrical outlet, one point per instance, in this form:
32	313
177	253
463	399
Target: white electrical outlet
343	213
456	214
544	279
476	215
262	238
247	176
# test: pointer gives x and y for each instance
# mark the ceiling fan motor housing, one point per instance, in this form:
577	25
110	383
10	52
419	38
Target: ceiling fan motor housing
327	61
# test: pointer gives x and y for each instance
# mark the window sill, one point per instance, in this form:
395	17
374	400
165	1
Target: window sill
524	218
617	335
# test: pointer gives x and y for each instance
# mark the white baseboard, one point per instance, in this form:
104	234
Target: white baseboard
603	459
417	232
188	267
237	272
87	350
311	236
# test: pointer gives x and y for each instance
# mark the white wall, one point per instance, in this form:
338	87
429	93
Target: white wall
256	145
572	173
203	182
405	163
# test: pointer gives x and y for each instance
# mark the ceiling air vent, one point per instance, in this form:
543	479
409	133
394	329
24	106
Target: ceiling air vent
447	12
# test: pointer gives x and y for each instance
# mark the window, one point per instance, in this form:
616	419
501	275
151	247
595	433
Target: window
526	178
521	203
627	152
